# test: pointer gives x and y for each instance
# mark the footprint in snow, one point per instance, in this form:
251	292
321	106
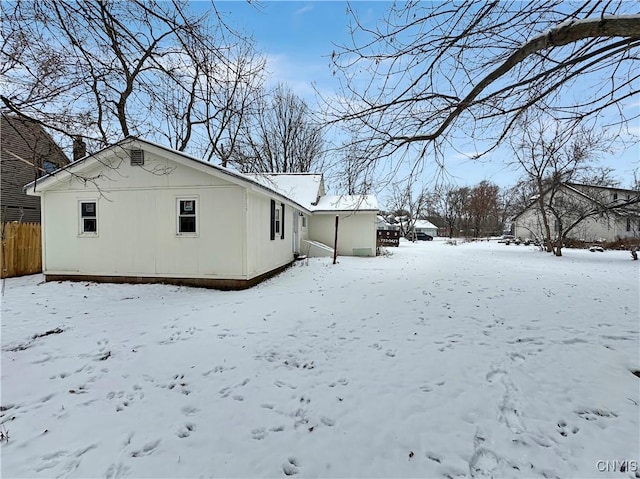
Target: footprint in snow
495	375
147	449
290	466
483	463
186	430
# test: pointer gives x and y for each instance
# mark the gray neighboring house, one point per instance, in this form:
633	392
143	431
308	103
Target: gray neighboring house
574	200
27	153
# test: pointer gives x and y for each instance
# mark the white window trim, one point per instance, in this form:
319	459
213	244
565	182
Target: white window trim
277	219
197	216
81	232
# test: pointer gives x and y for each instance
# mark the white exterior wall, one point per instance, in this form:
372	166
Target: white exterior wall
355	231
429	231
588	230
137	225
263	253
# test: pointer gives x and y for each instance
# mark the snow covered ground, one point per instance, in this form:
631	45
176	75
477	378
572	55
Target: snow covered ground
439	361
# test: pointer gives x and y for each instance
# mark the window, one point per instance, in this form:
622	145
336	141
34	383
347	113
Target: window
88	217
628	224
615	196
304	220
277	220
187	216
49	167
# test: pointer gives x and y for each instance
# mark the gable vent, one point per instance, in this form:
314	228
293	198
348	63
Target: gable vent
137	157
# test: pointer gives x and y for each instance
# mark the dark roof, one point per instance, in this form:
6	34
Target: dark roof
29	140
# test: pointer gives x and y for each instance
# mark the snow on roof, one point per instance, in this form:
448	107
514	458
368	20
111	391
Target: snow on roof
303	188
424	224
347	203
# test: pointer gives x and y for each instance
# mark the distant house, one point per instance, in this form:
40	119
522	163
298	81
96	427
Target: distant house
27	153
424	226
141	212
616	214
383	224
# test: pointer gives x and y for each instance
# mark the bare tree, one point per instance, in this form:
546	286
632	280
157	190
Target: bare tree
409	203
553	154
281	137
430	71
483	208
104	70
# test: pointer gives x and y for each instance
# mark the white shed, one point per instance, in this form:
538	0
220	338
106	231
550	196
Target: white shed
140	212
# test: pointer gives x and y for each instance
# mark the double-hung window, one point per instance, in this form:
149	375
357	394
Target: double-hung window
277	220
89	218
187	217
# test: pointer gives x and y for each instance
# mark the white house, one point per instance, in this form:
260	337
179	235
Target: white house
383	224
616	214
141	212
356	215
424	226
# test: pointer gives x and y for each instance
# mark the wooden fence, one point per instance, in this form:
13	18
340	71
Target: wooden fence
21	249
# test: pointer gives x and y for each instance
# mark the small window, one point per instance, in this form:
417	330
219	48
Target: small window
615	196
304	221
49	167
276	220
628	224
187	216
88	217
137	157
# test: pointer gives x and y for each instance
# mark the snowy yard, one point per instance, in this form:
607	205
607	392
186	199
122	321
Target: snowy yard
439	361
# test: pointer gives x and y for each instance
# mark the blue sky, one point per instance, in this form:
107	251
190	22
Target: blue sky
298	38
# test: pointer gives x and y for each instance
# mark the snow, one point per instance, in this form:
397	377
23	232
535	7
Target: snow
303	188
475	360
347	203
424	224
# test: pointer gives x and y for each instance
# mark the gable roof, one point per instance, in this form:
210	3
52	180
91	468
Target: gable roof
582	190
27	141
424	224
346	203
304	188
43	183
308	190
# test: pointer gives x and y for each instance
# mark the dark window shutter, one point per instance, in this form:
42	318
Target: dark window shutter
282	221
273	219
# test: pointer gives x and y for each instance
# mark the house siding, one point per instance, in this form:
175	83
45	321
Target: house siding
25	146
264	253
356	231
137	225
529	223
